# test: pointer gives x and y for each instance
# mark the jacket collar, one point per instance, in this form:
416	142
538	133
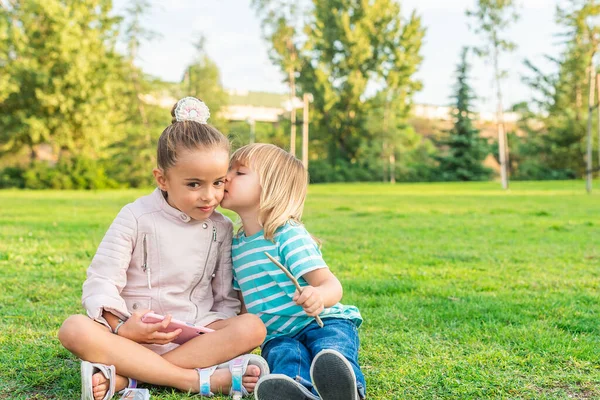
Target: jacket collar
167	209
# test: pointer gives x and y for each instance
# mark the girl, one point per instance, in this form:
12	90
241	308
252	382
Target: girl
168	252
267	186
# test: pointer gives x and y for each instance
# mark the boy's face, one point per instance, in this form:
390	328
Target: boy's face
242	190
196	182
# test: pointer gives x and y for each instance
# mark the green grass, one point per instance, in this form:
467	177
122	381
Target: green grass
467	292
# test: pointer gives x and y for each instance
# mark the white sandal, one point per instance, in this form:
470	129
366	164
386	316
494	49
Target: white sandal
237	367
88	370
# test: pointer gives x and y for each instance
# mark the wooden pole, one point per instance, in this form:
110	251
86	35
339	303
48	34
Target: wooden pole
306	98
386	117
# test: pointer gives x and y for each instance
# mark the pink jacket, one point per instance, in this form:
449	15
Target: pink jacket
153	256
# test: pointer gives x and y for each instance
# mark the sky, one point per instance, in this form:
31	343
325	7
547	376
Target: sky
234	42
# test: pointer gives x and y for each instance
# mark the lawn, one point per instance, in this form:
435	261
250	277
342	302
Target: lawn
468	292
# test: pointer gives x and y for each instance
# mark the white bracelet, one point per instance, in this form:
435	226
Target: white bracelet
116	331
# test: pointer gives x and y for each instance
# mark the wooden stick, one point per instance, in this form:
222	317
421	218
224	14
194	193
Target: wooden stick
291	277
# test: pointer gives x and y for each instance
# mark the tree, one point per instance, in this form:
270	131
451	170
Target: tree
467	149
135	33
491	17
202	79
404	150
558	128
348	41
278	18
8	85
62	78
334	50
131	157
398	66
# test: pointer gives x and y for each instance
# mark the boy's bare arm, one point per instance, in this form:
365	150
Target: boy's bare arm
325	290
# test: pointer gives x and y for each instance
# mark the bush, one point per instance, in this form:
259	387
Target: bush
322	171
12	177
130	161
532	158
533	170
69	173
418	172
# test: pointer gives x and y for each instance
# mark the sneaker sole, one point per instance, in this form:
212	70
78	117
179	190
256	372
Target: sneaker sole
333	376
280	387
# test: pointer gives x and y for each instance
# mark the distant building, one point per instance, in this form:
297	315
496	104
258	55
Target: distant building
444	113
257	106
270	107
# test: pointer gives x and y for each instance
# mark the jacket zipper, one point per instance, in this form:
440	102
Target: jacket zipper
214	235
145	266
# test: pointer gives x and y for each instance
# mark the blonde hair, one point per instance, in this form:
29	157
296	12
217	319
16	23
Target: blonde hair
187	135
283	180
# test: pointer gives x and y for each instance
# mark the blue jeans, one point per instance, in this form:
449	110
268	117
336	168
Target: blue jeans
292	356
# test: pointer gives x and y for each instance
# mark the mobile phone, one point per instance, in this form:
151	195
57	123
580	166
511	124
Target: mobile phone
188	331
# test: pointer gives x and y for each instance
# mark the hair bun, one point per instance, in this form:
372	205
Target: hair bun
190	109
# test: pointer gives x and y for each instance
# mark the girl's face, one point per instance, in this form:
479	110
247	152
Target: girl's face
242	190
196	182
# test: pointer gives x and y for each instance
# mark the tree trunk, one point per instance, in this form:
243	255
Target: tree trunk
384	161
292	112
578	102
32	154
386	124
305	132
392	165
292	77
502	145
598	117
588	172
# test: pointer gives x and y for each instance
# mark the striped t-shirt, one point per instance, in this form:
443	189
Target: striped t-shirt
267	290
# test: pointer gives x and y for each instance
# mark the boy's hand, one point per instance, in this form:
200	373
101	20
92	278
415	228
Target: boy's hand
310	300
141	332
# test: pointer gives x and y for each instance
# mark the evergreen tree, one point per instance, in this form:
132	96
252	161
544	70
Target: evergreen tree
466	149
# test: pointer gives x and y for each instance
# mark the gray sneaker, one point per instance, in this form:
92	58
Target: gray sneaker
281	387
333	376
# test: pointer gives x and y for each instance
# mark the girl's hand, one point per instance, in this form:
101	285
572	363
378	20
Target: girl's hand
141	332
310	300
